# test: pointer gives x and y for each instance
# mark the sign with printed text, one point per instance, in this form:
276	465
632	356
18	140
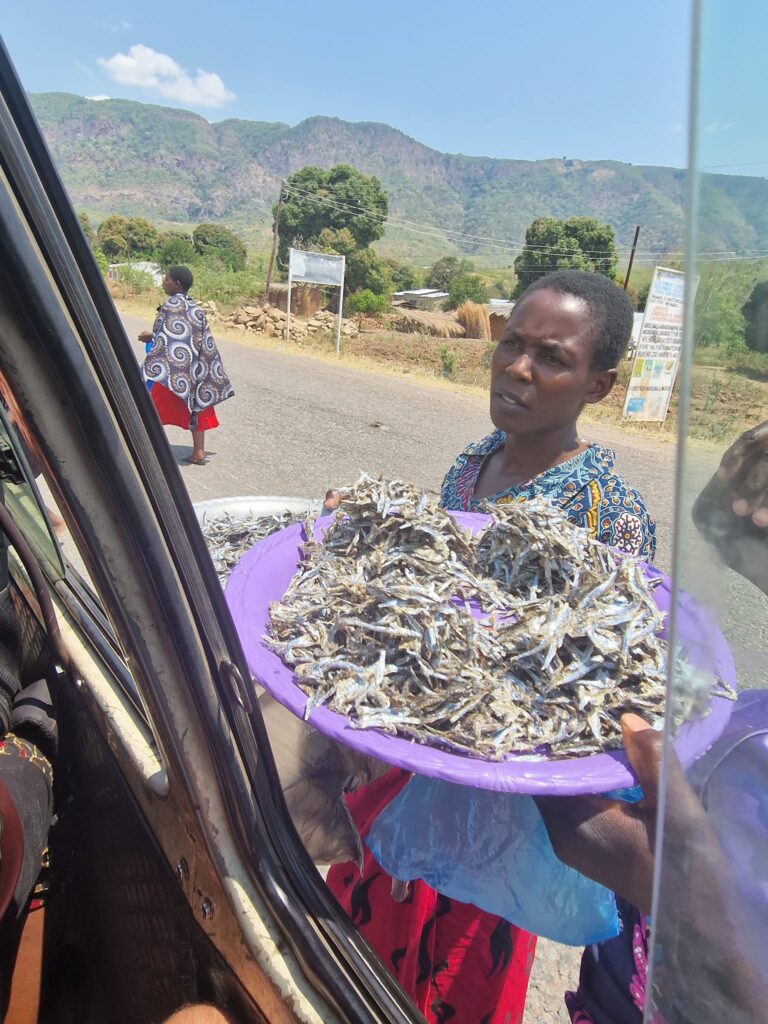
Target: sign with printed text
657	356
316	267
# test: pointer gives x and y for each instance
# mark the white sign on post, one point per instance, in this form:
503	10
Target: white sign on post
657	356
315	268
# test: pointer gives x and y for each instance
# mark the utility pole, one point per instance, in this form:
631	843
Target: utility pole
631	258
275	230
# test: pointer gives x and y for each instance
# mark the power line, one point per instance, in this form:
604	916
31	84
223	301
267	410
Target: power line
400	222
645	257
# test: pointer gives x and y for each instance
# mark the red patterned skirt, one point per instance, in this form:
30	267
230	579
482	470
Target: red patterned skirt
173	411
456	962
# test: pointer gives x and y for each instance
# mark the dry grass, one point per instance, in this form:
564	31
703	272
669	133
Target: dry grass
422	321
475	320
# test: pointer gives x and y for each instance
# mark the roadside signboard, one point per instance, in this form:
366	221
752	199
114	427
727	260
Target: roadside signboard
315	268
657	355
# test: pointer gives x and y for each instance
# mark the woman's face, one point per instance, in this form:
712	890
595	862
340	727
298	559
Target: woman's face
171	287
541	375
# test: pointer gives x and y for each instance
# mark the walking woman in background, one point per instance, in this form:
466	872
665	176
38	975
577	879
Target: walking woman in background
183	364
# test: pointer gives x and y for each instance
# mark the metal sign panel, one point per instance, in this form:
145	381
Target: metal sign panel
316	267
657	356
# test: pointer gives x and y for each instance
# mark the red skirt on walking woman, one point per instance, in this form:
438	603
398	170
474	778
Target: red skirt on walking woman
456	962
173	412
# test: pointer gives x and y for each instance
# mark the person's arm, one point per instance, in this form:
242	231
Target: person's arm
732	510
703	926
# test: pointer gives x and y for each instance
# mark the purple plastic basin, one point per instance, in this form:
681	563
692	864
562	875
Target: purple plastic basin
262	576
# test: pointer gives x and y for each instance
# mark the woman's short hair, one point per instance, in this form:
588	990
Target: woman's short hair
182	276
610	311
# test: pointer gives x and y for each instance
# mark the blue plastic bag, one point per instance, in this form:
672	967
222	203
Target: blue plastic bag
147	347
492	850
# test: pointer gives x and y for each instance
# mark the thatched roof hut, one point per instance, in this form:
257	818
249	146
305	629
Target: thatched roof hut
498	313
420	321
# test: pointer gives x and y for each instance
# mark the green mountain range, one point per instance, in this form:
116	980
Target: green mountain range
174	167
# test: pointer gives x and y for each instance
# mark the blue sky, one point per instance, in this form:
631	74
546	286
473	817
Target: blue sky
510	78
733	97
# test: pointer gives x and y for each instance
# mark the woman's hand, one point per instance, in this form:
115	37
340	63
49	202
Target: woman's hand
744	467
332	502
611	841
145	336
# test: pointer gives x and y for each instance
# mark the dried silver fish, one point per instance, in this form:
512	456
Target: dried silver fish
378	625
229	537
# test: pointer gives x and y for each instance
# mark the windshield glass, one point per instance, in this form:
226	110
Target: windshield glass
709	918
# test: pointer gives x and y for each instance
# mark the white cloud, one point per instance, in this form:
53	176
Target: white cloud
717	126
125	25
97	99
145	68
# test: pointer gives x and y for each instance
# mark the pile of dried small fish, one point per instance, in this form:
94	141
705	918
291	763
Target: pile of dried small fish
377	624
229	537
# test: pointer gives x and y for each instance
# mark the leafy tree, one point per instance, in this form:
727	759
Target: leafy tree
214	240
339	241
404	277
113	237
466	288
174	249
85	224
141	236
580	243
755	313
722	292
364	269
444	272
339	199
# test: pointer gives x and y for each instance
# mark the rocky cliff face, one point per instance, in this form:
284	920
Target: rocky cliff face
117	156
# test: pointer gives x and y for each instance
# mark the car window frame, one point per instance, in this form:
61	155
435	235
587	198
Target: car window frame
60	298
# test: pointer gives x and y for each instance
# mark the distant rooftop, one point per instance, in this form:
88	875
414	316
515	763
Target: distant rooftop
421	293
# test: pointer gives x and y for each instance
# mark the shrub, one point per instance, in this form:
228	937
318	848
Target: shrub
101	260
448	360
226	287
135	282
366	302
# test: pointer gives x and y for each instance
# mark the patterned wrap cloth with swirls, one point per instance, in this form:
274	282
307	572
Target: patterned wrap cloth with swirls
183	356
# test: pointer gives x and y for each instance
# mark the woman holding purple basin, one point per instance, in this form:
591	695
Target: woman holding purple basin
559	352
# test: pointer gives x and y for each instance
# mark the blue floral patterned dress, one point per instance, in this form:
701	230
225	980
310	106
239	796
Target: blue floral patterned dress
585	487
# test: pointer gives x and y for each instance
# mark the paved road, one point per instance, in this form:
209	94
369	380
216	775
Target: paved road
298	425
